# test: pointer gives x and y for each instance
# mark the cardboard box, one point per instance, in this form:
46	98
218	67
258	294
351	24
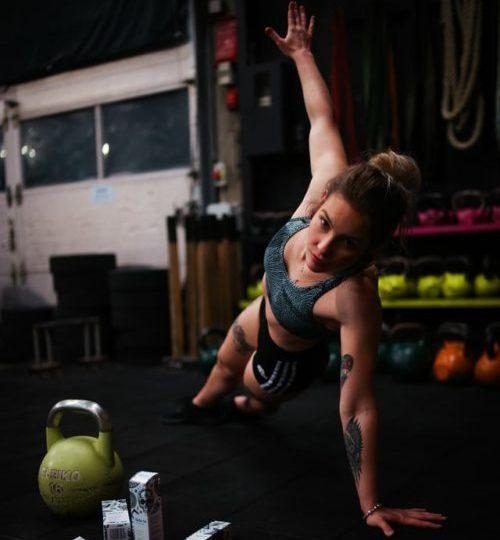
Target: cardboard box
116	520
215	530
145	506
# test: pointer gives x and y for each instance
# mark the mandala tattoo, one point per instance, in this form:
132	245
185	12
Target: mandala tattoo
239	338
345	368
354	445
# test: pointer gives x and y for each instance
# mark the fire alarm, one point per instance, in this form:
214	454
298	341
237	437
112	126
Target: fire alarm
232	98
219	174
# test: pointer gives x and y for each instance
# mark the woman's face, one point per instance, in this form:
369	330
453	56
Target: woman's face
338	236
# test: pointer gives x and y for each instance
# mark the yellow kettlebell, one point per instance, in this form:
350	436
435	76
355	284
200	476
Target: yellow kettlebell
77	473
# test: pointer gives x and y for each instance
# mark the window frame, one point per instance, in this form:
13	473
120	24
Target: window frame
97	108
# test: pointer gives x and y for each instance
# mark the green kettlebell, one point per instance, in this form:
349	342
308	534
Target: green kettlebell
392	286
429	286
485	286
429	274
456	285
77	473
393	280
254	290
456	279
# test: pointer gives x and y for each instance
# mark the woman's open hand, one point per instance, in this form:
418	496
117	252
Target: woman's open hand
413	517
299	32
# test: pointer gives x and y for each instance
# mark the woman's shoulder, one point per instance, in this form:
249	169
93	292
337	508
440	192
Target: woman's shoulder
357	296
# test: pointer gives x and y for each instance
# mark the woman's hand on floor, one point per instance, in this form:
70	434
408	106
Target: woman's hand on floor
384	518
299	33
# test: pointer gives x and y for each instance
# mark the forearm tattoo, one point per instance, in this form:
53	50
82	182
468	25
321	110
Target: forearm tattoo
345	368
354	445
239	338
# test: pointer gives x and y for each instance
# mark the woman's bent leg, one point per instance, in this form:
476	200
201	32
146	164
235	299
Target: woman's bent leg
232	358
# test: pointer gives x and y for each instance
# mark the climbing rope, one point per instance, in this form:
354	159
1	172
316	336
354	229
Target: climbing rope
460	93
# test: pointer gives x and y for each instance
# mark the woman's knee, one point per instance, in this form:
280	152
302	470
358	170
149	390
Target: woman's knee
229	368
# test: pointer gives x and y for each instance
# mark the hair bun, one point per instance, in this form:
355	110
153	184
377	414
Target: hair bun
403	169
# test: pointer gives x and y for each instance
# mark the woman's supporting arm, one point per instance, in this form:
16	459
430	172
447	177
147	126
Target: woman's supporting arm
360	315
359	331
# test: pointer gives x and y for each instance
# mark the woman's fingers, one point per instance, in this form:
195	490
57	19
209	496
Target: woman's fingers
386	528
303	19
291	14
414	517
270	32
421	523
311	26
420	513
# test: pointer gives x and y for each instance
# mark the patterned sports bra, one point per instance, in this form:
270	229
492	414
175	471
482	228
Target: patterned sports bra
293	305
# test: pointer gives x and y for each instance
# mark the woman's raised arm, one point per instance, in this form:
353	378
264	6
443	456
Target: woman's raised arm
326	149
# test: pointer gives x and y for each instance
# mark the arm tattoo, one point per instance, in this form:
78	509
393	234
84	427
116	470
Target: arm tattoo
239	338
345	368
354	445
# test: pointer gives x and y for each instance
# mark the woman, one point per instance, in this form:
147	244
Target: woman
319	278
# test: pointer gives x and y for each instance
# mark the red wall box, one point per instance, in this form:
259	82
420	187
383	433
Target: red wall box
226	42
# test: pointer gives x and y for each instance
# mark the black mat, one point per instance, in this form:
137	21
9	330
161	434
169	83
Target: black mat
285	478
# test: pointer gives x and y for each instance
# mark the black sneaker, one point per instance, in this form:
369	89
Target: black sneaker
186	412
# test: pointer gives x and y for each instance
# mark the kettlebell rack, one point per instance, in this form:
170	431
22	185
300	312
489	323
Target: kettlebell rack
91	329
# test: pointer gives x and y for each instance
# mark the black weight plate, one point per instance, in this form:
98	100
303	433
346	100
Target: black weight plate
139	318
138	299
77	282
138	279
84	299
82	263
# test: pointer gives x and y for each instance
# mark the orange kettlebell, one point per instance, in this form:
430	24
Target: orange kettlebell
452	362
487	368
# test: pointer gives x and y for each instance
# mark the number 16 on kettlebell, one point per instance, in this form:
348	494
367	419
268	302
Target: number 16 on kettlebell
79	472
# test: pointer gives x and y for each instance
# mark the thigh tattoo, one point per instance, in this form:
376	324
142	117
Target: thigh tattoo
239	338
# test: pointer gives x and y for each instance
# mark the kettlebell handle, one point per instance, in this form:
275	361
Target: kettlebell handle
79	406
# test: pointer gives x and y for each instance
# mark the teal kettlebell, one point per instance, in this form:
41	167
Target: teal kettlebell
208	346
384	350
409	358
77	473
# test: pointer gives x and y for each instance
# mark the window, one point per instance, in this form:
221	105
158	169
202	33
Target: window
3	155
138	135
59	148
146	134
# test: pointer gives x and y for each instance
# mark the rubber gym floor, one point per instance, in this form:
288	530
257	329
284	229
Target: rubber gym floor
282	478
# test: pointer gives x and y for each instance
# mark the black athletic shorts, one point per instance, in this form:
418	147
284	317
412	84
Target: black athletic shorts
281	372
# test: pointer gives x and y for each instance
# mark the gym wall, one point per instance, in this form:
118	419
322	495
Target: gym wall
122	213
